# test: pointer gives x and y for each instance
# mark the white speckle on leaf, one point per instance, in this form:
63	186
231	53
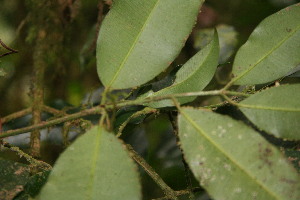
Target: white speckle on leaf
227	167
213	178
221	134
194	163
254	195
240	137
238	190
205	174
221	131
229	125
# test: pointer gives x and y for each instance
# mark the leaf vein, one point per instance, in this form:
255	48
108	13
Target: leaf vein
133	45
224	153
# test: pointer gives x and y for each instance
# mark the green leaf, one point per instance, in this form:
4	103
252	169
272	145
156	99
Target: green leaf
272	50
232	161
140	38
94	167
14	177
275	110
228	39
191	77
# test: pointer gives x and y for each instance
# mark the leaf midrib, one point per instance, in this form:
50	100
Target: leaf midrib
258	107
266	55
224	153
94	165
133	45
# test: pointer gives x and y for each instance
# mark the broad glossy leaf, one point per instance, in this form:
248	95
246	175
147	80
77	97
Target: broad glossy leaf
272	50
94	167
232	161
275	110
140	38
192	76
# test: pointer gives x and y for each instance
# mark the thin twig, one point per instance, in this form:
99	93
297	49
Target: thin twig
53	111
169	96
29	158
233	93
230	100
16	115
11	51
145	111
182	192
169	192
65	133
100	109
92	111
215	106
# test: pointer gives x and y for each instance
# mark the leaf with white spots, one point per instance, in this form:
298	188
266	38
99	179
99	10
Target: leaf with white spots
232	161
95	167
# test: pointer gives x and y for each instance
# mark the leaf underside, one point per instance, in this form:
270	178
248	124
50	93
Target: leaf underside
95	166
140	38
272	50
276	111
232	161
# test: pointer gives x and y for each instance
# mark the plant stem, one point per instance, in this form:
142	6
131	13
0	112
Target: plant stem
169	192
101	109
11	51
29	158
16	115
145	111
170	96
37	96
92	111
233	93
215	106
52	110
182	192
